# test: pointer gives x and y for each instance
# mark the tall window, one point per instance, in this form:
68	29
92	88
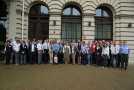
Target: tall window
104	23
38	22
71	23
3	18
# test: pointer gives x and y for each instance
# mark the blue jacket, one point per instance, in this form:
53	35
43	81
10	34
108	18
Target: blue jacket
56	48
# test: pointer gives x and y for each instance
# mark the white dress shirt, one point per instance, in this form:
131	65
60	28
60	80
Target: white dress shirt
45	45
33	48
115	49
16	47
39	47
105	51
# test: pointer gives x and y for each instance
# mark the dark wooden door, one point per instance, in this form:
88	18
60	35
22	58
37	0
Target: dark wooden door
39	27
2	36
3	18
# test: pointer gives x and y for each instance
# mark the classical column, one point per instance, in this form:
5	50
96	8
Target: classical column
22	27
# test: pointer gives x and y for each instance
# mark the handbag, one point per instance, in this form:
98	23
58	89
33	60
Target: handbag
55	59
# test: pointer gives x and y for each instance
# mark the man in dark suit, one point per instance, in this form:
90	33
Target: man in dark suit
8	51
33	51
23	52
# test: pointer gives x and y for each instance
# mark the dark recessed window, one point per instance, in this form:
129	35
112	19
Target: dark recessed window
104	24
3	18
3	7
71	23
38	22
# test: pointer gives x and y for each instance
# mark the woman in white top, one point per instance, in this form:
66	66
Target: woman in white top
105	54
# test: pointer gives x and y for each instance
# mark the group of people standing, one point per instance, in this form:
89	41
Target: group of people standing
100	53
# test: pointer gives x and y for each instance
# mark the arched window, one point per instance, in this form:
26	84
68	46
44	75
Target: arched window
71	23
38	22
104	23
3	18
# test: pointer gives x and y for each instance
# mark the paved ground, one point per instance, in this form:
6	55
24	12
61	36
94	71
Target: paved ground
64	77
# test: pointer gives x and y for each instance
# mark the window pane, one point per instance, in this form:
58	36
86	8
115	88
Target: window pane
103	31
43	10
78	32
107	27
99	35
99	31
71	11
76	12
106	35
105	13
67	11
98	12
71	31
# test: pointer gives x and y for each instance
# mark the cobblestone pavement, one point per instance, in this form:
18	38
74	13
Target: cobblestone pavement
65	77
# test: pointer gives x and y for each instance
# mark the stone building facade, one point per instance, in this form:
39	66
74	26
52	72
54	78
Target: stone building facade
17	19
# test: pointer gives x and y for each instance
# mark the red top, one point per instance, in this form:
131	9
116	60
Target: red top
93	48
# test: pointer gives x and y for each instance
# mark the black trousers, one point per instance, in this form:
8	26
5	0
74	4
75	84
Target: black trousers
33	58
83	59
13	57
105	60
118	63
93	61
99	59
124	61
8	58
28	57
114	60
46	56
